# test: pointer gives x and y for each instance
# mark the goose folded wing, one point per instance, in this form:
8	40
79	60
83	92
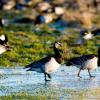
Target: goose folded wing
39	63
81	59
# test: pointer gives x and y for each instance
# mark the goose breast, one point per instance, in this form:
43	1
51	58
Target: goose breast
51	66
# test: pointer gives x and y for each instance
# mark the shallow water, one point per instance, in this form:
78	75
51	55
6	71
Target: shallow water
16	80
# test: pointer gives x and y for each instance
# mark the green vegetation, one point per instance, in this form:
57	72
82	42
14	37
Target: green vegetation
28	46
30	43
55	95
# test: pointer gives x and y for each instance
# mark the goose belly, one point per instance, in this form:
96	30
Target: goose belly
37	70
51	66
91	64
2	49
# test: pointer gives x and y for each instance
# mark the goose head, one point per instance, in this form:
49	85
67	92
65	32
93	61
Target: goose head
85	34
4	46
43	19
57	45
3	39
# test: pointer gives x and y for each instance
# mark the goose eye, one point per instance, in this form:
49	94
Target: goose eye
85	33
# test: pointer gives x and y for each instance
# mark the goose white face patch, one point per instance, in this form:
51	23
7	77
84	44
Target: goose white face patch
57	44
2	37
88	36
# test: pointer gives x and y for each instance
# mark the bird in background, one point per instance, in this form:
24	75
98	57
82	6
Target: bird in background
4	22
86	35
48	64
3	39
4	44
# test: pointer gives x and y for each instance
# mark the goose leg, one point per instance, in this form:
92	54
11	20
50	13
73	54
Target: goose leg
78	75
90	74
45	74
49	76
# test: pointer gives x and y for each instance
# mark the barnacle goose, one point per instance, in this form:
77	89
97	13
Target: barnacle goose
43	19
88	62
4	44
3	39
48	64
85	34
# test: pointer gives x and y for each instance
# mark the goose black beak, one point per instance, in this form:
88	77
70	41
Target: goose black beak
61	44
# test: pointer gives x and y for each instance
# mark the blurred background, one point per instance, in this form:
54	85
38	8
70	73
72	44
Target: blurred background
85	13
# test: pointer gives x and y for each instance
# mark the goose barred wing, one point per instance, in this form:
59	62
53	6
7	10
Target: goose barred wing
80	60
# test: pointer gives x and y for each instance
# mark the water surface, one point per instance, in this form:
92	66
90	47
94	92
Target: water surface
15	80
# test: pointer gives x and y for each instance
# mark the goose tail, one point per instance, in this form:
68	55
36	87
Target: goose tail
28	68
68	63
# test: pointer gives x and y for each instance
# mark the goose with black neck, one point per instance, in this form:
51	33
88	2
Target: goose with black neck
48	64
